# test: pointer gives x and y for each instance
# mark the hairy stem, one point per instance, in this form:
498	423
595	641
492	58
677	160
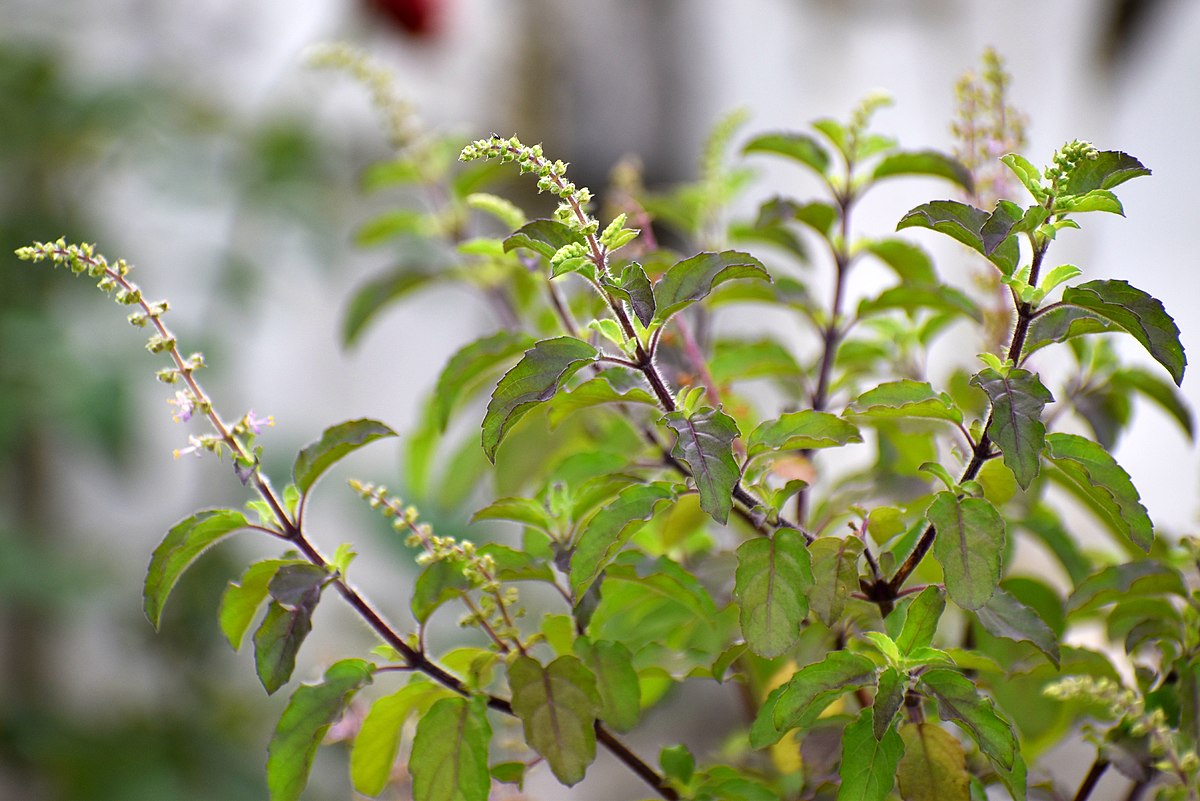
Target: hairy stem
1091	779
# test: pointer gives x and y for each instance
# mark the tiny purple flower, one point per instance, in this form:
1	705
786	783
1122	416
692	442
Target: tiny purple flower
195	445
184	404
257	424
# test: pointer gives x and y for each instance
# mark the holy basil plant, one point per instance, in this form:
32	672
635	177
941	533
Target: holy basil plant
679	487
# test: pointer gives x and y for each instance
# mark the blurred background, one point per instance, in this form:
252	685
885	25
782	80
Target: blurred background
192	140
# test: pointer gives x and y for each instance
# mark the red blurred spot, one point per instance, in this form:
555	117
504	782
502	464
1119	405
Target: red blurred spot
415	17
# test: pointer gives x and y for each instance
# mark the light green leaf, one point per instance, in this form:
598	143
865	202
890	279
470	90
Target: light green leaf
335	443
969	545
610	528
1098	476
373	755
441	581
960	701
868	767
970	226
391	224
815	687
1005	616
535	379
1016	422
921	620
913	297
616	681
1144	577
557	705
1029	175
502	209
183	544
242	599
1139	314
593	392
470	363
905	398
910	263
312	709
693	279
634	288
934	767
796	146
771	584
449	759
803	430
704	442
835	575
889	697
925	162
295	591
742	360
526	511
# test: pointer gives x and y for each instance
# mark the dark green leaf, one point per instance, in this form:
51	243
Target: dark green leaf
616	681
925	162
1046	526
816	215
470	363
535	379
1061	323
1108	169
373	756
557	705
374	296
796	146
1098	476
242	600
335	443
449	759
905	398
1142	578
868	767
912	297
1016	422
803	430
921	620
593	392
960	701
967	225
183	544
634	288
1139	314
889	697
969	545
295	591
693	279
312	709
544	237
1005	616
835	575
910	263
771	584
704	442
934	766
1160	392
610	528
814	687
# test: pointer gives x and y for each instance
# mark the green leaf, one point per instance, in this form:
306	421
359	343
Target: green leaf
968	225
593	392
373	755
183	544
905	398
796	146
816	215
1016	422
704	442
295	590
1160	392
912	297
1118	582
1098	476
835	575
868	767
449	759
471	362
610	528
1045	525
677	763
934	767
1029	175
925	162
634	288
815	687
242	600
535	379
1137	313
391	224
921	620
1005	616
544	237
803	430
374	296
1060	323
441	581
969	545
526	511
336	443
693	279
312	709
741	360
1096	200
889	697
1108	169
960	701
616	681
501	208
910	263
771	584
557	705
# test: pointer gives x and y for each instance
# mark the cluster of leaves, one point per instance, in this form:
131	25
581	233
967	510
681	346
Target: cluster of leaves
678	509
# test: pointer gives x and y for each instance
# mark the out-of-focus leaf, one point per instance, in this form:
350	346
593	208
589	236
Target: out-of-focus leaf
835	575
913	297
910	263
1005	616
796	146
1145	577
471	362
924	162
373	756
593	392
616	681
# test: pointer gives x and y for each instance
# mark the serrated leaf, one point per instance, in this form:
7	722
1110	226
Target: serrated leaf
373	755
803	430
693	279
634	288
771	584
471	362
967	225
1096	474
796	146
1141	578
243	598
557	705
336	442
925	162
535	379
544	237
312	709
449	759
910	263
616	681
593	392
934	766
1137	313
295	591
835	575
184	543
961	702
868	768
1005	616
913	297
921	620
610	528
1016	422
814	687
1109	168
905	398
969	545
889	697
1061	323
704	442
